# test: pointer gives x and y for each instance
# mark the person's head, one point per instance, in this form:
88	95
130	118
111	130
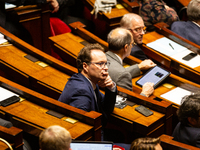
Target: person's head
120	40
55	138
189	110
146	143
92	62
135	24
193	10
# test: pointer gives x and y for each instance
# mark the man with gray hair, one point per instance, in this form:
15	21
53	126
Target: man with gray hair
190	29
135	24
55	138
120	42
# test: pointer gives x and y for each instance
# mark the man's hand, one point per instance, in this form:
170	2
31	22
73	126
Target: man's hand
147	89
54	5
106	83
146	64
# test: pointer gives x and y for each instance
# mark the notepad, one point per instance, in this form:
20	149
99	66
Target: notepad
166	46
176	95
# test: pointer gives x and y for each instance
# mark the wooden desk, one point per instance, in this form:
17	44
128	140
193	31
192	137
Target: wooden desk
167	143
184	2
36	19
13	136
170	63
130	6
47	75
30	114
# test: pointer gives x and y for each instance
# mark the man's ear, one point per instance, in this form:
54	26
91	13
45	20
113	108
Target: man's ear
192	121
85	67
126	47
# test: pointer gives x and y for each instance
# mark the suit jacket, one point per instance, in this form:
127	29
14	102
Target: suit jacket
78	92
187	30
120	75
137	52
187	134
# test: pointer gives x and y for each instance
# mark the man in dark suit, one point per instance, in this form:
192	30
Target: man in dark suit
82	89
190	29
135	24
12	24
120	43
188	129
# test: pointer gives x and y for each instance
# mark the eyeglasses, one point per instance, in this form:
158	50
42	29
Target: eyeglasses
139	30
133	44
101	65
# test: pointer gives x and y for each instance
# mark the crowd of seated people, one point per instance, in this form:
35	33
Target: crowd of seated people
98	69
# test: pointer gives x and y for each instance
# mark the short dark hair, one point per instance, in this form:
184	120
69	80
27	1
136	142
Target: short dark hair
146	143
117	42
190	107
85	55
193	10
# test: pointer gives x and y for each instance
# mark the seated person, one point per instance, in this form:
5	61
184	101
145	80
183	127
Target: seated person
135	24
120	43
190	29
82	89
12	24
55	138
146	143
154	11
188	129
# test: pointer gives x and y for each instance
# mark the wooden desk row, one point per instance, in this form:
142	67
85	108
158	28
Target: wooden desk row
30	114
56	74
61	44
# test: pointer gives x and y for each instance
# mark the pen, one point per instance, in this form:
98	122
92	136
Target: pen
171	46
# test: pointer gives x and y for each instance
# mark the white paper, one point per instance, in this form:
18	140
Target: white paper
166	46
194	62
4	94
176	95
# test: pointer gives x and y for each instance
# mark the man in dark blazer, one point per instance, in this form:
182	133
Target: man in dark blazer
188	129
120	42
12	24
190	29
135	24
82	89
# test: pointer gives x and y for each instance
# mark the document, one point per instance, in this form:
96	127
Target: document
194	62
176	95
2	39
4	94
166	46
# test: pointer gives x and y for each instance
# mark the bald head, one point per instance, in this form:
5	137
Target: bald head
118	38
129	20
135	24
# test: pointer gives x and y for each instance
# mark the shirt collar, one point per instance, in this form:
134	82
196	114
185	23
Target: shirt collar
93	85
119	59
196	23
